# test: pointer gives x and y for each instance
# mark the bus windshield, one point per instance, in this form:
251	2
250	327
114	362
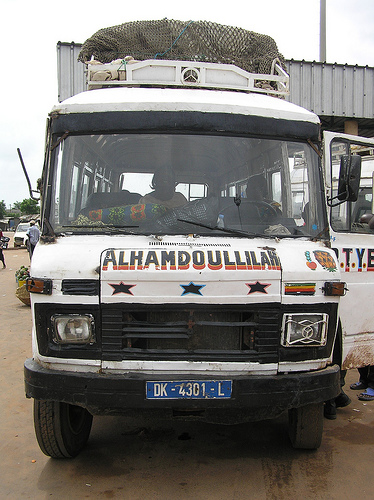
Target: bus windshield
185	184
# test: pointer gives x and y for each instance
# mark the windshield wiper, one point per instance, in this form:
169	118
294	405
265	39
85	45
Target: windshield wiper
108	229
237	232
121	229
104	226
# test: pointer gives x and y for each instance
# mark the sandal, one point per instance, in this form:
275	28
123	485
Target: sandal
358	386
364	396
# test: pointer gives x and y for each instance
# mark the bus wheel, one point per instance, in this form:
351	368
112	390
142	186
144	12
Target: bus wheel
305	426
62	430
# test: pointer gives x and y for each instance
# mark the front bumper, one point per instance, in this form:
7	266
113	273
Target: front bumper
260	396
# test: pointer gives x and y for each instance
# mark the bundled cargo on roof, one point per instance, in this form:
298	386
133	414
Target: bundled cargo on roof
179	40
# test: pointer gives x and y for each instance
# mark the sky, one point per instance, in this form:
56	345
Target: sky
30	30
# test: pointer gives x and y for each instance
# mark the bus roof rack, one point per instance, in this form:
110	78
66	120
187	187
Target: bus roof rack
165	73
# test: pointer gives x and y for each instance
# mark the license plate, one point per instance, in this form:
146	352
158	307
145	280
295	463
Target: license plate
194	389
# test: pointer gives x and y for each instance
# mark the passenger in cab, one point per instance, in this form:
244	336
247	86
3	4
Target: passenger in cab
257	190
163	185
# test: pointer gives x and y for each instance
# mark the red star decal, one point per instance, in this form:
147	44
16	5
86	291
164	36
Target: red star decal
257	287
121	288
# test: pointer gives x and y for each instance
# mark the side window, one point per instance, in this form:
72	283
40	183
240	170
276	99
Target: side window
74	191
354	216
301	210
192	191
276	187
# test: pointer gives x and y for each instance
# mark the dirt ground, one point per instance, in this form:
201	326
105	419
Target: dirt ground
167	460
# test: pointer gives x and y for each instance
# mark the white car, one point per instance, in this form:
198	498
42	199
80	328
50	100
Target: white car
20	239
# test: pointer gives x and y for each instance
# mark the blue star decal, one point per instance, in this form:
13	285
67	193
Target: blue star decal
192	288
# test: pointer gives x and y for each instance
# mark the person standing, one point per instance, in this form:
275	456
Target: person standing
33	233
365	382
1	250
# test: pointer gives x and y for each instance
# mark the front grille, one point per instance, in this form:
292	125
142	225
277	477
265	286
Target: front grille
80	287
190	333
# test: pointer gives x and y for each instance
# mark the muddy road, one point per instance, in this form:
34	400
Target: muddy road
171	460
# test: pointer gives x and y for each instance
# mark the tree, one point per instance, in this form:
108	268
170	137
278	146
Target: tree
2	209
28	206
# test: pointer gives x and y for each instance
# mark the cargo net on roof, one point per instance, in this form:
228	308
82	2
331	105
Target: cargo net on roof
190	41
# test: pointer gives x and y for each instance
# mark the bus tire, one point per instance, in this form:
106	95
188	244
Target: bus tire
305	426
61	429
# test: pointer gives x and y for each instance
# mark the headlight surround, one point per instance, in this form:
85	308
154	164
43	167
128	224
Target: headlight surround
73	328
303	330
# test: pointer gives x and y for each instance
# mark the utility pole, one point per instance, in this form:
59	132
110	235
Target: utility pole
322	31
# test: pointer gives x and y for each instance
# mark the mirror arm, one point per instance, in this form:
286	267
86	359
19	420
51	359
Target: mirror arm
27	177
330	200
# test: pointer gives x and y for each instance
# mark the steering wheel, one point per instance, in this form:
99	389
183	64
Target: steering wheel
264	209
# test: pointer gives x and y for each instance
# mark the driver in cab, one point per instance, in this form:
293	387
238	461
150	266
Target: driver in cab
163	185
257	190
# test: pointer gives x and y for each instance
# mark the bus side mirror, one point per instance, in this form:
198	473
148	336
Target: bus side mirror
349	177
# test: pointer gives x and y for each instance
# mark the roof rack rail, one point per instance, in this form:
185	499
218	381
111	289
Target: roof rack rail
164	73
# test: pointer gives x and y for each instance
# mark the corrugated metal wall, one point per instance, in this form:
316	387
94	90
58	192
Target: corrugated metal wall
335	92
70	73
332	89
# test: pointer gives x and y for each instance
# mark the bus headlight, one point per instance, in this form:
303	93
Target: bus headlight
300	330
73	328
